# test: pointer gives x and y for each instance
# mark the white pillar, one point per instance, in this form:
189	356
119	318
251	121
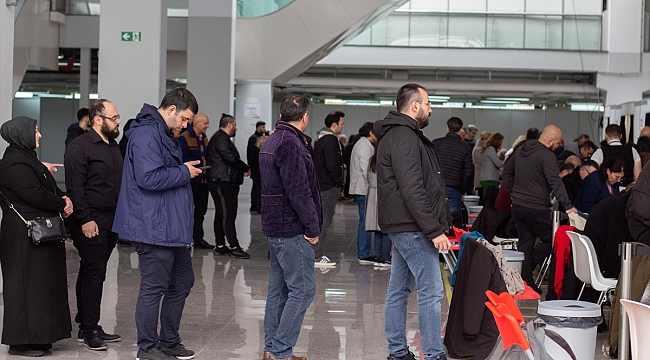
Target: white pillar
211	56
133	53
84	78
6	66
254	103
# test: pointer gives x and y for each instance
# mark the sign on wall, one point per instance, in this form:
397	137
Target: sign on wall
131	36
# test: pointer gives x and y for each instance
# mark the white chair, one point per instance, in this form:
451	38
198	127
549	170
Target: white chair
598	281
638	314
580	260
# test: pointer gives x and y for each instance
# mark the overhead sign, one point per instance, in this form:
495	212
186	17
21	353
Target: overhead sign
131	36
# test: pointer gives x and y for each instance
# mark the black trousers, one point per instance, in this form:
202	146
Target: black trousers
200	194
225	203
94	253
531	224
256	195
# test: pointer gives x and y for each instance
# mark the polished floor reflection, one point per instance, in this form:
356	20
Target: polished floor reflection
224	313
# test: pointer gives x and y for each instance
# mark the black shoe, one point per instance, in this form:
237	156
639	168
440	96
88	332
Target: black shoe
224	250
43	347
178	351
238	253
153	354
93	341
26	350
442	357
108	338
408	356
534	287
202	244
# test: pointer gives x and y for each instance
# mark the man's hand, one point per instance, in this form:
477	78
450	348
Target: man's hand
441	242
51	167
247	173
312	241
67	211
194	171
90	229
572	211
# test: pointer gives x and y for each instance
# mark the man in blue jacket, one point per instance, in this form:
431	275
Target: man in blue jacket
154	212
291	221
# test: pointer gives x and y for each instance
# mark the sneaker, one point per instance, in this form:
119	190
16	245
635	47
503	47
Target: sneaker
224	250
409	356
382	263
324	261
178	351
108	338
323	269
153	354
370	260
238	253
93	341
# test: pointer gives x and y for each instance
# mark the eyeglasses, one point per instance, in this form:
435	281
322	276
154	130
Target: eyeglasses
114	118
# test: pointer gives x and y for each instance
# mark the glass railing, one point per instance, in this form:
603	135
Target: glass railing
472	30
255	8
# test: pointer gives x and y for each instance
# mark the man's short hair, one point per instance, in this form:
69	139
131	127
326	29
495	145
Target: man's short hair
471	127
583	136
225	120
366	128
182	98
333	117
532	134
588	145
96	109
567	167
614	131
454	124
293	107
407	94
259	123
82	113
589	163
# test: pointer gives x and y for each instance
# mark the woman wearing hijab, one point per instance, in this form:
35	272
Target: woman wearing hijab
36	310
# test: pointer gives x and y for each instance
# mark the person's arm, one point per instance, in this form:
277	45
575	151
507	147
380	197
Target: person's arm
25	184
149	167
365	154
494	158
509	173
224	147
333	159
184	147
597	156
549	166
590	190
637	164
468	168
76	173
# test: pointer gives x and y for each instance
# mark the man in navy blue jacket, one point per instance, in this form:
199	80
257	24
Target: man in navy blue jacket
291	221
154	212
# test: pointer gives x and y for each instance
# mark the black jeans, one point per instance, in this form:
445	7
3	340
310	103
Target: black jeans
200	194
256	195
225	203
531	224
94	254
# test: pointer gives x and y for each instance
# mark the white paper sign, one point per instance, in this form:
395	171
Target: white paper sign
252	110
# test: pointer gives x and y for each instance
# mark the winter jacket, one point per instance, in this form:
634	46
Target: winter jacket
638	206
455	156
155	205
410	189
328	159
74	130
531	176
291	203
223	157
252	155
592	191
361	154
194	148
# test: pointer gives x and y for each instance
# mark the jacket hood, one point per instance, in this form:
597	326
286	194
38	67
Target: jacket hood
393	118
325	131
531	147
148	116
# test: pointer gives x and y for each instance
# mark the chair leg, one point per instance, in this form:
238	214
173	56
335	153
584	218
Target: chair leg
581	290
601	298
542	271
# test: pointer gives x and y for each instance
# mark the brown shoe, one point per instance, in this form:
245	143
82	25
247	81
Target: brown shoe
266	355
292	357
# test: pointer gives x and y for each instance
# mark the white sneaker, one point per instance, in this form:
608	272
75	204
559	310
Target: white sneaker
324	261
382	263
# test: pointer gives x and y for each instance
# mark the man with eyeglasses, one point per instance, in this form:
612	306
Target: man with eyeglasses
93	176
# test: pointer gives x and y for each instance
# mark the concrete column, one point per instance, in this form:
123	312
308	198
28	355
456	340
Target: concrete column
84	78
133	53
254	103
211	56
6	66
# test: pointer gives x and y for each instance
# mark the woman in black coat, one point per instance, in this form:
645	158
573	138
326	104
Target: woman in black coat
36	310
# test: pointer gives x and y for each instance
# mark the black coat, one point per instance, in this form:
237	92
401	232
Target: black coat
223	157
328	160
455	156
252	156
36	309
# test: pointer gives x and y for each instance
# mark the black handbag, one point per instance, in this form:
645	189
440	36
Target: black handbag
42	229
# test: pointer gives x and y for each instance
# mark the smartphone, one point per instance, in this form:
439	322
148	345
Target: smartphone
203	168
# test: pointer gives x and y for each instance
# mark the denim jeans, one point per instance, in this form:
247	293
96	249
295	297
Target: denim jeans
454	199
292	286
415	262
167	273
364	238
382	245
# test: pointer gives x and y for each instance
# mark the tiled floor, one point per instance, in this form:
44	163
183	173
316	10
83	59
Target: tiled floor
223	317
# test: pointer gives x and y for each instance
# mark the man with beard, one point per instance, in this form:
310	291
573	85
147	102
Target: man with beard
415	215
93	175
530	177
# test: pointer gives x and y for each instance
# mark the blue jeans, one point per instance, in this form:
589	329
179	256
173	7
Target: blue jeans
415	261
364	238
292	286
382	245
454	199
167	273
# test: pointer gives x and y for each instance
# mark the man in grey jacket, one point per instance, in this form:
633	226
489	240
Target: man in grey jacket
531	178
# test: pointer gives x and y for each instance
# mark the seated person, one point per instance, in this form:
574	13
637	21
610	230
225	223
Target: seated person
573	181
600	185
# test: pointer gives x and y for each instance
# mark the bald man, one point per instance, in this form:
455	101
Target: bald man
531	179
645	131
573	160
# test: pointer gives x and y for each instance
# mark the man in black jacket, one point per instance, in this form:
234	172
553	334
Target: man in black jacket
531	178
328	160
414	212
225	175
252	155
80	127
455	156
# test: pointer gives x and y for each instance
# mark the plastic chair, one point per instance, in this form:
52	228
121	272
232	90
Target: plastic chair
509	328
580	260
598	281
507	300
638	314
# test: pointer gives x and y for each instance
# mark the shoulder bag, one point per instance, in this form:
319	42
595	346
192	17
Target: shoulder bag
42	229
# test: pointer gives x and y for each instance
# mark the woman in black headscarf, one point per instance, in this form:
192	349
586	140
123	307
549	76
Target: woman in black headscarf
36	310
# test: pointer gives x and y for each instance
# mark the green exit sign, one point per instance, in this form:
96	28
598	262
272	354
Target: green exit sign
131	36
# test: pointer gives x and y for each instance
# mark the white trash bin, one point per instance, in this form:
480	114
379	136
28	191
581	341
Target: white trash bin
470	200
576	321
514	258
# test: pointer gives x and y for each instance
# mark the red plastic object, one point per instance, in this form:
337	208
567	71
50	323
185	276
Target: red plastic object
528	294
507	300
509	328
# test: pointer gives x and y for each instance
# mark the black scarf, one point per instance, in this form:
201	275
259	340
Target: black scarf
20	131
